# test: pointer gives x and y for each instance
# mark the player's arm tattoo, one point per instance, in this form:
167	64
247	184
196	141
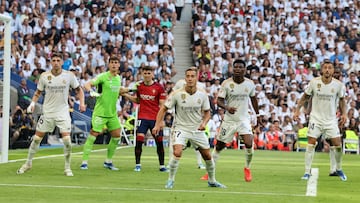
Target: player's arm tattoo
342	106
304	101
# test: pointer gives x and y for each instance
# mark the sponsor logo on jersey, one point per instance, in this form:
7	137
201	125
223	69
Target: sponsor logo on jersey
147	97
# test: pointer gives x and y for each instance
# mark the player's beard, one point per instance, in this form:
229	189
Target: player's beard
327	75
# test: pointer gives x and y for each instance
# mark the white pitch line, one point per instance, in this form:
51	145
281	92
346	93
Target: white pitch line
311	189
151	190
59	155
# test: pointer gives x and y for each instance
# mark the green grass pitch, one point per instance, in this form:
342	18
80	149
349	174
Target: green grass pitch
276	178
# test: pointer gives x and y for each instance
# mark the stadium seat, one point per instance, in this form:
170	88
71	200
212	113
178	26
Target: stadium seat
240	144
127	136
79	131
351	142
166	138
127	131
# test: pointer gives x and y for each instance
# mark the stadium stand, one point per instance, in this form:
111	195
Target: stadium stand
282	41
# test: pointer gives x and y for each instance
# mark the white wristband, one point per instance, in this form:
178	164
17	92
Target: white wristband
30	107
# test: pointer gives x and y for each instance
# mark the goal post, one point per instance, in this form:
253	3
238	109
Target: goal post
6	89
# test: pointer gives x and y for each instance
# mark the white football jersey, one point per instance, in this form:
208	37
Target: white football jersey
237	95
188	108
56	92
325	98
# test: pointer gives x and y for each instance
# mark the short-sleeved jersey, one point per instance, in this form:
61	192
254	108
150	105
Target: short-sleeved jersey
188	108
237	95
56	92
325	98
149	97
109	88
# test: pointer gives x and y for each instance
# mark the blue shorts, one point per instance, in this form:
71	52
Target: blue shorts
144	125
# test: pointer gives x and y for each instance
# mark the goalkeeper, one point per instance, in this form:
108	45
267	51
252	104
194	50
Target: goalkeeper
108	90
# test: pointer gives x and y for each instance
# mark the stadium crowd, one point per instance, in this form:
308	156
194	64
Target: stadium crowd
284	43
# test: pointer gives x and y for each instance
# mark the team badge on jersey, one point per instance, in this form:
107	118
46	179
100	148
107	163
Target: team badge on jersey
49	78
332	90
318	87
64	81
183	97
199	101
232	85
246	90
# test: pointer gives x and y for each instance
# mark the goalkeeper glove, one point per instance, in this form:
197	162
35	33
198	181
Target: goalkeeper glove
94	94
135	87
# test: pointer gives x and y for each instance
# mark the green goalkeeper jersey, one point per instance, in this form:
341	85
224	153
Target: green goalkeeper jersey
109	88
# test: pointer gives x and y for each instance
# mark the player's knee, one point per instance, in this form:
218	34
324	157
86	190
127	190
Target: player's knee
140	138
37	139
177	153
66	140
207	156
220	145
115	133
312	140
248	145
338	148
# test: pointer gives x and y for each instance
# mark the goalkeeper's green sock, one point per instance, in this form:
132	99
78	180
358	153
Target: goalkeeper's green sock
111	148
88	147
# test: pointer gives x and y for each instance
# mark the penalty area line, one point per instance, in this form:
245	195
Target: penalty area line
152	190
311	189
60	155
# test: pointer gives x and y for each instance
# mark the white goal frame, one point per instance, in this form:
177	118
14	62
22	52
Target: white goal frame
4	139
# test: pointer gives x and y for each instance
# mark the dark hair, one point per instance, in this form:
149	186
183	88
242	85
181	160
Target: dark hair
193	68
239	61
56	54
147	68
114	58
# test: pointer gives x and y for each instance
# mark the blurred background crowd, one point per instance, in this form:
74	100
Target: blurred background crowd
283	42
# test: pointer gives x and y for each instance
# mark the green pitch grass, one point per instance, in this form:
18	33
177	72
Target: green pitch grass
276	178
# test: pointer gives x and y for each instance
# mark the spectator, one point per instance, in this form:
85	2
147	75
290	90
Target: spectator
274	138
24	97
